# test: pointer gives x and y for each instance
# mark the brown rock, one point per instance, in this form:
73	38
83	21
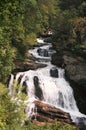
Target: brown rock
21	66
47	113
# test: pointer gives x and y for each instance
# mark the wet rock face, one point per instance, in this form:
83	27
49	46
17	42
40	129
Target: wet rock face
43	52
82	121
27	65
38	91
24	90
54	72
75	69
75	73
57	59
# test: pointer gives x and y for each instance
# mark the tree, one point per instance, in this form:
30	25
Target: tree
11	114
79	31
82	9
69	4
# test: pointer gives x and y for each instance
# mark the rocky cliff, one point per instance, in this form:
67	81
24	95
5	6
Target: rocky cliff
75	72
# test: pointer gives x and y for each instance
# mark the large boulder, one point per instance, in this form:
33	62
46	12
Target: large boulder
75	69
43	52
57	59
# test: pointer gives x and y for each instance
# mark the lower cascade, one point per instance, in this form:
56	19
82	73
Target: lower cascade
47	84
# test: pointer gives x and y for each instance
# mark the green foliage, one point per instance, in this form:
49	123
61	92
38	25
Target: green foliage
10	114
31	39
79	31
6	55
48	12
69	26
82	9
46	126
62	28
31	126
68	5
20	21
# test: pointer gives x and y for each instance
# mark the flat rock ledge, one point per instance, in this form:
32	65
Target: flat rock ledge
50	114
28	64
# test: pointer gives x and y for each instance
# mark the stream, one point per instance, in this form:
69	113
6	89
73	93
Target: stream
48	84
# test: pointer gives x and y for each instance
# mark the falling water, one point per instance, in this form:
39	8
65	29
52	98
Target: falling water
47	84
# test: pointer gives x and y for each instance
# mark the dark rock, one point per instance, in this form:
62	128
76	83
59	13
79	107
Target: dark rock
20	77
8	80
76	74
43	52
33	66
38	91
26	65
36	81
82	127
80	95
75	69
81	121
57	59
24	90
54	72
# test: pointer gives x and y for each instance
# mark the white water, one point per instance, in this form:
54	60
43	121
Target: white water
56	91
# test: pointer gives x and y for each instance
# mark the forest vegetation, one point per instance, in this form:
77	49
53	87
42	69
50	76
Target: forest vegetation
20	22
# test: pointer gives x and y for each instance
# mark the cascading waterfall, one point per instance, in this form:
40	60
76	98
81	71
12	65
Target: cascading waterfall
47	84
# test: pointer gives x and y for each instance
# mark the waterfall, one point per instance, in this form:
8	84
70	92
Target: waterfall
47	84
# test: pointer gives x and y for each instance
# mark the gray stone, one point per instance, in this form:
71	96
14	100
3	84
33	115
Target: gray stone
54	72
